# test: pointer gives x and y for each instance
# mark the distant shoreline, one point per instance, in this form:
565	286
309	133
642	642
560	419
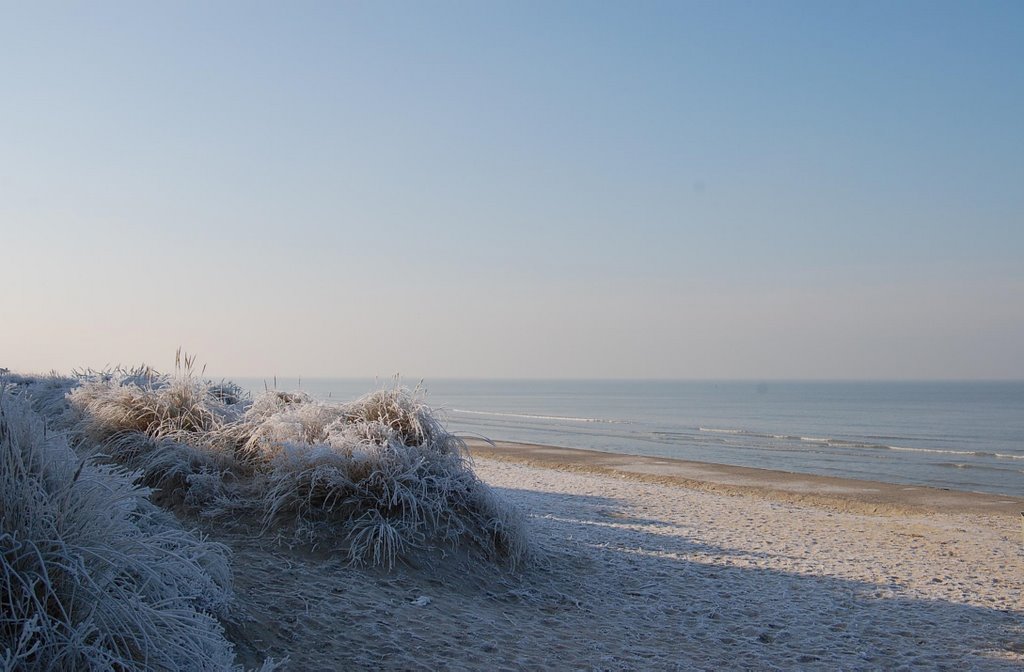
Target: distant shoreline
847	494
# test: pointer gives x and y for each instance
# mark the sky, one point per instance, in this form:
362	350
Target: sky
752	190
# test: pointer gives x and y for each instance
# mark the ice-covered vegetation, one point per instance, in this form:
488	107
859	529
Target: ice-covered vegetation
93	576
375	479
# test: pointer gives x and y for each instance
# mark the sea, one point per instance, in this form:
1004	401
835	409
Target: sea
957	435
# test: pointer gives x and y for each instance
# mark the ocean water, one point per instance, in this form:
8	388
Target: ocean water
958	435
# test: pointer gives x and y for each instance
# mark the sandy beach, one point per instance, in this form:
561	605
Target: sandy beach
652	564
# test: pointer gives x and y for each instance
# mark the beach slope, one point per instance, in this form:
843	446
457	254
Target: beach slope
660	571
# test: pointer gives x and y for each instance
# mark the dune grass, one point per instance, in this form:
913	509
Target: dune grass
93	576
375	479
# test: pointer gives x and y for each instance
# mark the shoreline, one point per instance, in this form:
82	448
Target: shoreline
845	494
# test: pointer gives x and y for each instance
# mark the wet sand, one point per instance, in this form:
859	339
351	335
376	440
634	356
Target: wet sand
840	493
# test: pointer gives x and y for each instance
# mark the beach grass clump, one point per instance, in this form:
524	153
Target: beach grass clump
159	407
380	475
386	478
176	430
276	419
93	576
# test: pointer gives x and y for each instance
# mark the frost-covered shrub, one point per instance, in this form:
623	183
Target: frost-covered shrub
159	407
278	418
92	575
388	478
175	430
380	473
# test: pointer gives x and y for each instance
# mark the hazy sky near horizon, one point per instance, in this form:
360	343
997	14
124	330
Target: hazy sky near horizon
550	189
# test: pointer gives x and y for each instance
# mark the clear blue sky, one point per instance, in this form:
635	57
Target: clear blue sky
552	189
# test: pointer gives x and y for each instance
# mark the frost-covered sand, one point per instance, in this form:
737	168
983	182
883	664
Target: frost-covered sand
648	572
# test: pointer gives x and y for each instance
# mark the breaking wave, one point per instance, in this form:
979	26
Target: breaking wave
529	416
848	443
